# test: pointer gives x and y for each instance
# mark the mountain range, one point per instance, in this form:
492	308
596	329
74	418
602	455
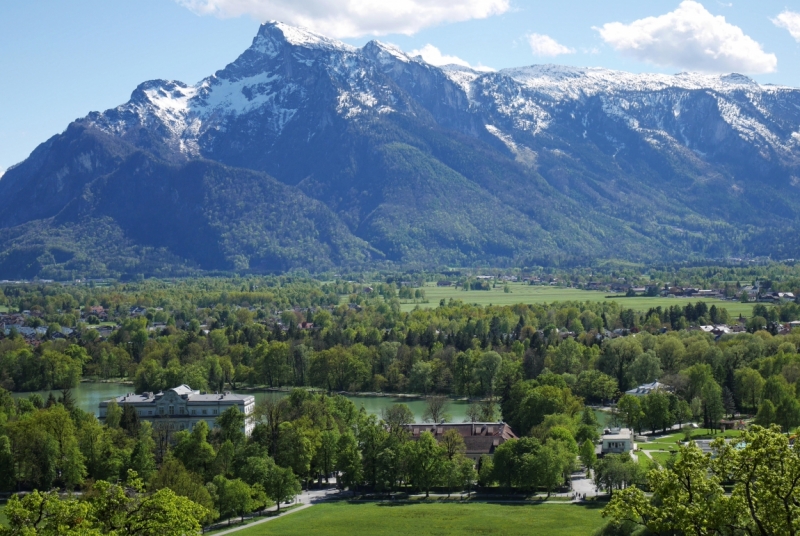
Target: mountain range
306	152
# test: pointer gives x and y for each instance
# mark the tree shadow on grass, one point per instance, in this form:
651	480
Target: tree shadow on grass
589	505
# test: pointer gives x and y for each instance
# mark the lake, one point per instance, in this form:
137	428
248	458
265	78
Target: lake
89	395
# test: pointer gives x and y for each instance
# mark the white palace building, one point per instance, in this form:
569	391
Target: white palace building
181	408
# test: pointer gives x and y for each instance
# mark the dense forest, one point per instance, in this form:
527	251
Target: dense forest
534	366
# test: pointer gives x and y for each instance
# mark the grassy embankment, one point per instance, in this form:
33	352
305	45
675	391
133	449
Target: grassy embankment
528	294
435	519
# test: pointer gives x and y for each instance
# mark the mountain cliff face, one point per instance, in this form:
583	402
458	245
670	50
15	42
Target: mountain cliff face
306	152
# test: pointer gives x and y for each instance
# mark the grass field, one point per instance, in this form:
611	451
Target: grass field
661	457
669	442
3	309
522	293
3	520
435	519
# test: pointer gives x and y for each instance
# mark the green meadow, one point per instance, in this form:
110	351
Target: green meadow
435	519
531	294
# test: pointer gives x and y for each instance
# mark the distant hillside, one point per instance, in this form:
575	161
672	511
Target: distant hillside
309	153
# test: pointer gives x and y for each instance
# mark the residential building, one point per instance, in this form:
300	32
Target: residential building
479	437
181	408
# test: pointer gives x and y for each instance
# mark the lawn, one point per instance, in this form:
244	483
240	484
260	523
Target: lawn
522	293
3	309
661	457
3	520
669	442
435	519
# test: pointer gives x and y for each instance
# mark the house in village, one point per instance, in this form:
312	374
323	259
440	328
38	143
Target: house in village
98	311
777	297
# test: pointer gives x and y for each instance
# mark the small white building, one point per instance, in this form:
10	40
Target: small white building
182	407
617	441
647	388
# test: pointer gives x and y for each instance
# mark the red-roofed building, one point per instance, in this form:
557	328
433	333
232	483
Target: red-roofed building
479	437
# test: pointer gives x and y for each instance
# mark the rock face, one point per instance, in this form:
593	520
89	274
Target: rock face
307	152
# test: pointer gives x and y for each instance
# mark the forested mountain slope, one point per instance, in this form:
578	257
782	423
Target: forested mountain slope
307	152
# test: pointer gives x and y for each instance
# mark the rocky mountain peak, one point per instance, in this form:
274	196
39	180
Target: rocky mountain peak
569	161
272	35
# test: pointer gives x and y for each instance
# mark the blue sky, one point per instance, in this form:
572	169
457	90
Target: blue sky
60	60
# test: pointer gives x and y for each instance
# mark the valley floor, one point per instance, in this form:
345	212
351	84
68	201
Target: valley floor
530	294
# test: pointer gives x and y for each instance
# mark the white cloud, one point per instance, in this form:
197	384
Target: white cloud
434	56
353	18
692	38
789	20
544	45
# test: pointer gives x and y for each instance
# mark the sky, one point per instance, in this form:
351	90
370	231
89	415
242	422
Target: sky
60	60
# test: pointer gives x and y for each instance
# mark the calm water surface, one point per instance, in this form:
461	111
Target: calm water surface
89	395
373	405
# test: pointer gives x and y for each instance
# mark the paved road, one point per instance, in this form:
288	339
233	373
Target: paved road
582	485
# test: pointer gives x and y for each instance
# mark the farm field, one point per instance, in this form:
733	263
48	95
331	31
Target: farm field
435	519
528	294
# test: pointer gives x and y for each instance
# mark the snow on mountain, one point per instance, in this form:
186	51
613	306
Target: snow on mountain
530	97
387	53
281	76
267	79
579	162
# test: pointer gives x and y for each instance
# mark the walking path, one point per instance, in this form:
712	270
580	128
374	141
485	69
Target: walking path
265	520
307	499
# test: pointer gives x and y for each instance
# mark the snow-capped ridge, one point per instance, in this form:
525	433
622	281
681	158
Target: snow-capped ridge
272	83
302	37
386	52
567	81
